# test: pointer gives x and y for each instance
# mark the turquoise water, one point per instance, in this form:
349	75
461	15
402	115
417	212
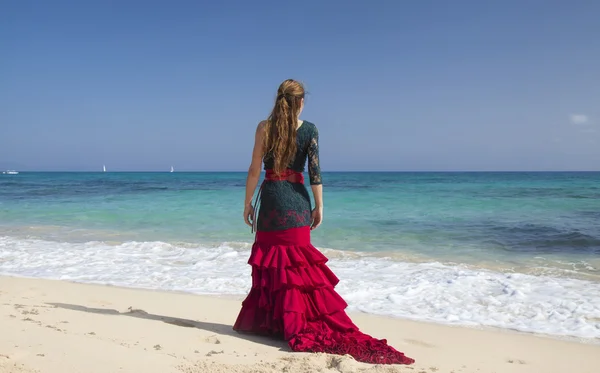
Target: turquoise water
475	215
379	228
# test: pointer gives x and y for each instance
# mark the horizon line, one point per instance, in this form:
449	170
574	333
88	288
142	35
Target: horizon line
331	171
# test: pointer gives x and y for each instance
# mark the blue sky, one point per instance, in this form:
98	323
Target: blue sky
394	85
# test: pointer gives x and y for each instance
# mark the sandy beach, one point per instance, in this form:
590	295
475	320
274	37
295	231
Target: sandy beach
60	327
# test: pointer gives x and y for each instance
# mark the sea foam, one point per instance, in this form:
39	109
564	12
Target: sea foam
421	291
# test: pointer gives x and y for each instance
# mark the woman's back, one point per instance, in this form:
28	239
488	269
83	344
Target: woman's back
286	205
307	139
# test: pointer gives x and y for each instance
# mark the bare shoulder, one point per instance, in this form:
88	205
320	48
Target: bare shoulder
261	126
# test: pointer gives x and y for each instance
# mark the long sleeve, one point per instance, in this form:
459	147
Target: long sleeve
314	169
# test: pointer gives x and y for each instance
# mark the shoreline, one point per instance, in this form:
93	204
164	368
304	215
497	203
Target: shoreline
72	327
352	313
539	266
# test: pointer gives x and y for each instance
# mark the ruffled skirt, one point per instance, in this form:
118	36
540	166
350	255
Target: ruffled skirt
293	297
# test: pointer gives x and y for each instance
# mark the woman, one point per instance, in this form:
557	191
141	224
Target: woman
292	293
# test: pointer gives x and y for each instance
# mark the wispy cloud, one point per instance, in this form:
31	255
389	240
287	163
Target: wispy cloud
579	119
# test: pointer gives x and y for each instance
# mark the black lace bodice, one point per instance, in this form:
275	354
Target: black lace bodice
308	148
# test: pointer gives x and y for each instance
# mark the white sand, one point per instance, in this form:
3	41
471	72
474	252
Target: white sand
59	327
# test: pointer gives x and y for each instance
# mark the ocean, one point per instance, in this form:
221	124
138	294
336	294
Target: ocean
515	251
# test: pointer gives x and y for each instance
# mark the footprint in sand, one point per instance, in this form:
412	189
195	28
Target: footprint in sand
32	320
54	327
296	364
213	352
516	361
213	339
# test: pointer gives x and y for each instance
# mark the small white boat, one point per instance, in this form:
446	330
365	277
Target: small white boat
10	172
103	168
172	169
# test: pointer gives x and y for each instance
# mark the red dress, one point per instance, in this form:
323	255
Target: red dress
292	295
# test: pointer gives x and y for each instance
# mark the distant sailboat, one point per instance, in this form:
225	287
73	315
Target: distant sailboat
103	168
172	169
